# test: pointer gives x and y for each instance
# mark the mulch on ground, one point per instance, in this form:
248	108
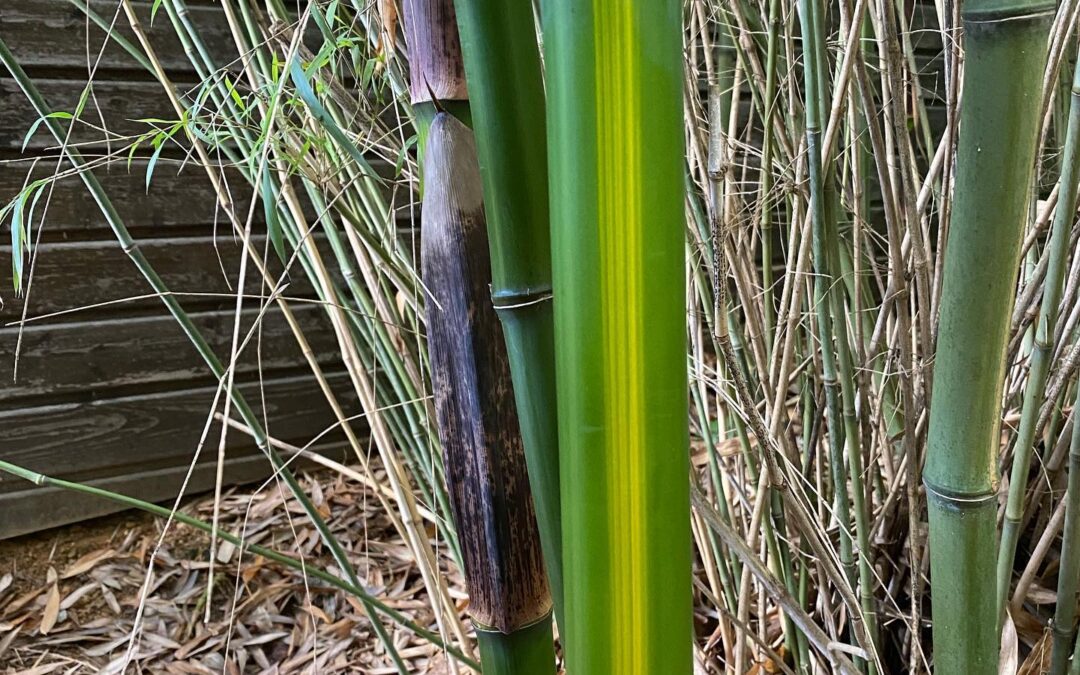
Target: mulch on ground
70	598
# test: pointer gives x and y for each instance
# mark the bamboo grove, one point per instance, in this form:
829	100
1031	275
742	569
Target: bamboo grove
738	336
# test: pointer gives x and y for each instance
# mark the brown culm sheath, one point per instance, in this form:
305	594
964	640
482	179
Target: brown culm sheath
474	402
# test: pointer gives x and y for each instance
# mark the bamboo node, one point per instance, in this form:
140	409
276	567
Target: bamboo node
956	499
517	300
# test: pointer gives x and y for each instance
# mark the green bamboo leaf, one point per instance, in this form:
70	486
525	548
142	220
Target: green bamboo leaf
307	94
273	223
18	253
230	88
132	149
403	154
84	96
58	115
21	228
159	141
367	72
159	145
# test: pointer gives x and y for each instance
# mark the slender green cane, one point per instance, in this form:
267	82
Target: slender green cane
502	66
813	72
767	143
615	163
1005	53
1042	353
1069	574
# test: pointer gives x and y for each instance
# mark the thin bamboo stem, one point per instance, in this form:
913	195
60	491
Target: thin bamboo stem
1041	355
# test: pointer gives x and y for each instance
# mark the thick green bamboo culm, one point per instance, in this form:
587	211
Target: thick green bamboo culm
1069	574
615	138
506	91
529	650
1005	54
476	412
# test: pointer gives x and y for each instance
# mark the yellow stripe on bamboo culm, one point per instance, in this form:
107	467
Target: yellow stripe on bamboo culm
619	220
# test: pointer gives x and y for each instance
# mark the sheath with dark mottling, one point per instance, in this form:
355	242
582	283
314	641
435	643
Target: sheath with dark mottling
474	402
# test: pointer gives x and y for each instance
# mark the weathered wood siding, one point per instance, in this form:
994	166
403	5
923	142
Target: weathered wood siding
114	394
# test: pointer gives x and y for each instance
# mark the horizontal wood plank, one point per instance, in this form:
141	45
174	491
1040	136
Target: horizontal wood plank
175	199
110	117
30	508
90	359
73	275
49	33
123	436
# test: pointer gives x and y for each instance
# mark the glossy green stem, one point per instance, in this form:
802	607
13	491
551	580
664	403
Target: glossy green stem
615	91
506	91
526	651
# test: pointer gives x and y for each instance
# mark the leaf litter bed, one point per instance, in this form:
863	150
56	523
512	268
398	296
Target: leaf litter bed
70	597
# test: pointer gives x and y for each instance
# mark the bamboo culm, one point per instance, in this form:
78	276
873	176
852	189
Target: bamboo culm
506	91
1005	48
1069	574
476	414
615	165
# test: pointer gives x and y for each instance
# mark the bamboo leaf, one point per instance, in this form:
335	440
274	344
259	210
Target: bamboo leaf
159	145
51	611
307	94
18	234
273	223
58	115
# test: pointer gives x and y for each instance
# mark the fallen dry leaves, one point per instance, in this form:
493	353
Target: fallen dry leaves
266	618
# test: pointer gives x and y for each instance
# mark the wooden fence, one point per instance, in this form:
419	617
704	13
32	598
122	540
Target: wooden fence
110	391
